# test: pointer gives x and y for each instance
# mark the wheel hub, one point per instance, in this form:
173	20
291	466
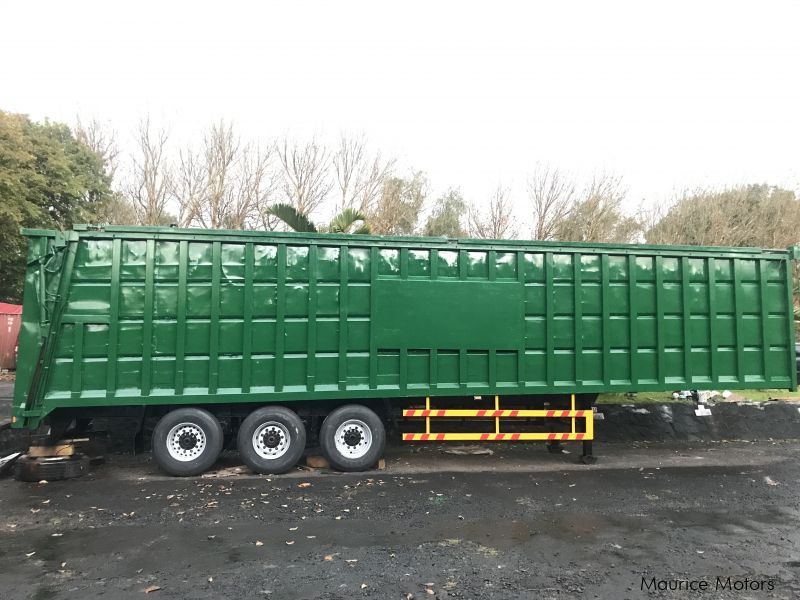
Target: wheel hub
352	436
187	441
271	440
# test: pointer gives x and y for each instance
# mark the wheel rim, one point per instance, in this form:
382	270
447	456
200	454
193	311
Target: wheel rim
186	441
353	438
271	440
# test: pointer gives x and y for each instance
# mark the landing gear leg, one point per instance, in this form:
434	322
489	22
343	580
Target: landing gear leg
554	447
587	457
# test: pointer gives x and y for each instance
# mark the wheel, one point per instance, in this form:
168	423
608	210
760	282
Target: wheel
271	440
187	441
352	438
28	468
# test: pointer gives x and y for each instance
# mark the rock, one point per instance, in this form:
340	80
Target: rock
317	462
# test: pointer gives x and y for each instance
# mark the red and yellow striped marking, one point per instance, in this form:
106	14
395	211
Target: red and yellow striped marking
490	437
491	414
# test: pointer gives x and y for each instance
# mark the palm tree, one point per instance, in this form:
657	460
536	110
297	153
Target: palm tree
347	221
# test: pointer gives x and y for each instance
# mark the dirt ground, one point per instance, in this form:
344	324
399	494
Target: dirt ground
520	523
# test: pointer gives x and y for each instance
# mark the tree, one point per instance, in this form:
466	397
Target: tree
597	215
305	174
150	183
102	140
447	216
551	196
497	221
347	221
746	215
48	179
227	184
399	205
359	176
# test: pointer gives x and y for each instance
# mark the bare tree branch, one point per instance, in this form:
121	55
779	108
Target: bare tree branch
551	195
150	185
496	221
305	173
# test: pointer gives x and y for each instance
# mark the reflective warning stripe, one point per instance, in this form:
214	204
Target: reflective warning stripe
489	437
491	414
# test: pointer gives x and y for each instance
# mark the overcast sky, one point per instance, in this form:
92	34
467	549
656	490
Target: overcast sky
669	95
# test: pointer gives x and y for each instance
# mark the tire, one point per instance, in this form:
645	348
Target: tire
28	468
187	441
271	440
352	438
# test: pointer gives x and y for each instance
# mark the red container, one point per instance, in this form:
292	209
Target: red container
10	320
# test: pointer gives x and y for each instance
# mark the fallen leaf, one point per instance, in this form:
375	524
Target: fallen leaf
351	560
363	585
293	528
289	542
210	580
42	481
151	588
430	591
304	485
259	543
328	557
769	481
29	554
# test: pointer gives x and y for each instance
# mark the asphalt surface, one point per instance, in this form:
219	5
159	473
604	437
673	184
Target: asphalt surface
520	523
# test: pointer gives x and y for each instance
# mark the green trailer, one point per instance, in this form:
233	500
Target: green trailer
263	337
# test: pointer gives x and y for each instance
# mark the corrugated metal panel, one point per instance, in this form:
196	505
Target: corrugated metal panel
9	333
187	316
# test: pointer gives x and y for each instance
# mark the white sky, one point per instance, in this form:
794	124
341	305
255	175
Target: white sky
669	95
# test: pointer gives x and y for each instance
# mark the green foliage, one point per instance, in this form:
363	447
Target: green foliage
294	219
349	221
48	179
448	215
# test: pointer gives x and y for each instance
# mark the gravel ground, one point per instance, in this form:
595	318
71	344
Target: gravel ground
518	524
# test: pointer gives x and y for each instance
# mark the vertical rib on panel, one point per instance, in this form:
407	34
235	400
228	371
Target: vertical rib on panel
113	321
762	281
521	349
737	302
462	354
280	317
606	329
578	314
213	357
373	348
311	342
344	258
687	326
147	325
433	358
660	357
180	344
77	359
711	269
247	318
788	265
548	319
633	319
492	351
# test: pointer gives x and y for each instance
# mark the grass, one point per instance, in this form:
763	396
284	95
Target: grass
659	397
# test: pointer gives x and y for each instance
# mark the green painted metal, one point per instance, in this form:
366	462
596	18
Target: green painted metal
121	316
